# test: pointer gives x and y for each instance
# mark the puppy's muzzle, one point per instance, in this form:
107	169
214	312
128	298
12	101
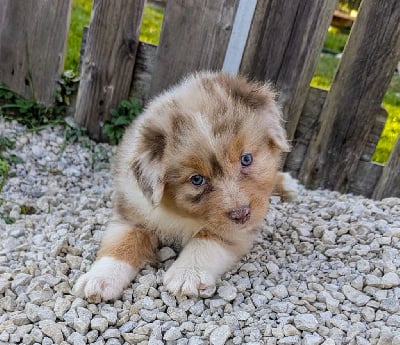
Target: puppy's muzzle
240	215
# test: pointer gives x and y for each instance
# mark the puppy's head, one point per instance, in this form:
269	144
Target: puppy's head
209	149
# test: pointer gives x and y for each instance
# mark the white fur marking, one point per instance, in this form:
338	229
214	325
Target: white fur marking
197	267
106	279
289	187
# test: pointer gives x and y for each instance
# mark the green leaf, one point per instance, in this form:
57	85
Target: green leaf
15	159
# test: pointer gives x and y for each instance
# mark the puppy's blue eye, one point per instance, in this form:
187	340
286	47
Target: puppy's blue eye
197	180
246	159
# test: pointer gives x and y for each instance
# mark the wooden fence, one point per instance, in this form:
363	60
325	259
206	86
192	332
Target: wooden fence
334	133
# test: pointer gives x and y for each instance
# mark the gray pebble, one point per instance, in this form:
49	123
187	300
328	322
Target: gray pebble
355	296
173	333
111	333
110	313
292	340
52	330
99	323
312	339
177	314
306	322
227	292
166	253
220	335
76	339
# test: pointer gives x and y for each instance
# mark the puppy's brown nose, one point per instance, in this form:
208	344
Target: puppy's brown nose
240	215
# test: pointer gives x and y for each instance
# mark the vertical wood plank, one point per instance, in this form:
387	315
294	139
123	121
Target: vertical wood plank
32	45
389	183
367	65
143	71
368	173
194	36
305	130
284	44
108	62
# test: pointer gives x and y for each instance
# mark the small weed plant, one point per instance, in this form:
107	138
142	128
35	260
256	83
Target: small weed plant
6	159
121	118
34	116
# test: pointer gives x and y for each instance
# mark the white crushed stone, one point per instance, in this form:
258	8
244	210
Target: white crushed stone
324	272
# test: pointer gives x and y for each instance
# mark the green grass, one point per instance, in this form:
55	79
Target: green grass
151	28
323	77
335	40
391	131
151	24
80	17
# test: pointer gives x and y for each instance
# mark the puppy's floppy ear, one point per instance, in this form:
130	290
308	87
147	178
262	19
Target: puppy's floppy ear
148	166
276	132
262	98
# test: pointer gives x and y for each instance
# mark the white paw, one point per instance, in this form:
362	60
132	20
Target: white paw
106	279
289	187
187	281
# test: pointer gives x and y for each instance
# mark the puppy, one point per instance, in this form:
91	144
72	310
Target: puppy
196	168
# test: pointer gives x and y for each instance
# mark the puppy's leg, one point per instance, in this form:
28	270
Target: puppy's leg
124	250
285	186
198	266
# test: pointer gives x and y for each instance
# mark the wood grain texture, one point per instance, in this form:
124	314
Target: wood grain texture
143	71
389	182
375	134
108	62
360	83
32	46
194	36
367	174
365	178
284	44
305	129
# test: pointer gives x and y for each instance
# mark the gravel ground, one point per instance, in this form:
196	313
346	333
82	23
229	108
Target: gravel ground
325	271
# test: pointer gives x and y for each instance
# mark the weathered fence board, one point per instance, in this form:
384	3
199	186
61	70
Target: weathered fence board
305	130
368	173
360	83
389	183
108	62
194	36
284	44
143	71
32	46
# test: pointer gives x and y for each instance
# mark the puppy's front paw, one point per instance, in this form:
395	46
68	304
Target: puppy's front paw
106	279
187	281
288	187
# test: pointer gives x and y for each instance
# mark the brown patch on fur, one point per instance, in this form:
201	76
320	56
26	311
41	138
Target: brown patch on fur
216	167
154	141
221	128
235	148
199	165
199	197
136	247
180	124
168	201
127	212
174	175
252	94
207	235
138	172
